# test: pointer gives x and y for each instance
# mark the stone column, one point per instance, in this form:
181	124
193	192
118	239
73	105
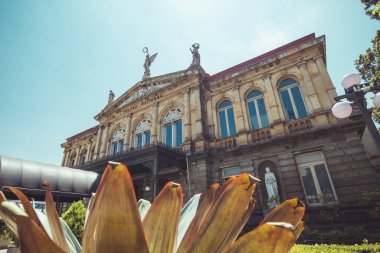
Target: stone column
155	123
77	150
64	158
238	110
210	120
271	98
88	147
127	131
104	140
187	116
97	143
312	94
198	113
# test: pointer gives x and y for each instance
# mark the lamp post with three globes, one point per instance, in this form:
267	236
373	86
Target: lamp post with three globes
355	95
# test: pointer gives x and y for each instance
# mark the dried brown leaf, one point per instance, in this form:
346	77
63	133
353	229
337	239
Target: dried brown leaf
161	221
114	224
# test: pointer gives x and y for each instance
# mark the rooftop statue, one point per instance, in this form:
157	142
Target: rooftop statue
148	61
111	97
196	56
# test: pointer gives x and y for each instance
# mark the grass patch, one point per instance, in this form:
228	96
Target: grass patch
335	248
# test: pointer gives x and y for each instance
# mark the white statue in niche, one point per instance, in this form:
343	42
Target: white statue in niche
272	189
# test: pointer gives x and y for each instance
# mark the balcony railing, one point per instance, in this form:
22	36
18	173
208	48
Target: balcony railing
260	135
298	125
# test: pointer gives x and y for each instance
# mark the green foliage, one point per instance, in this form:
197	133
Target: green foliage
371	199
372	8
348	235
334	248
5	233
74	217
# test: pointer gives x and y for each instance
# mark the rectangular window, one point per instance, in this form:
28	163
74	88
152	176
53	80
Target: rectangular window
231	121
253	115
316	179
147	138
169	135
178	132
227	173
223	124
301	110
121	146
288	108
262	112
139	140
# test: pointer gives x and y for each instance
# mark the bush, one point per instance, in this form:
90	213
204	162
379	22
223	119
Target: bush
6	237
348	235
74	217
334	248
371	199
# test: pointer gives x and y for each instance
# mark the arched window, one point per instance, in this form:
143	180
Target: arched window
172	130
142	134
226	119
117	142
257	113
292	101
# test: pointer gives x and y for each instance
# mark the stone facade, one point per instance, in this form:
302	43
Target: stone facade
195	98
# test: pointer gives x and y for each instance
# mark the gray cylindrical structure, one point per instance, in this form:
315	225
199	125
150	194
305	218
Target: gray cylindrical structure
28	174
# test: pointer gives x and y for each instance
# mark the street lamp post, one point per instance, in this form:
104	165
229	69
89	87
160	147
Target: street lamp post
355	93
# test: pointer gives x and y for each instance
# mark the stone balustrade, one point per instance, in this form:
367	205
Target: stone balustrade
298	125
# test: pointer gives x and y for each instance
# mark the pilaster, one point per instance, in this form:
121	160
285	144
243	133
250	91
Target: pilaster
127	131
312	94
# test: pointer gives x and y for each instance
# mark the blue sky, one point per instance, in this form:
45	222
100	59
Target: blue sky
59	59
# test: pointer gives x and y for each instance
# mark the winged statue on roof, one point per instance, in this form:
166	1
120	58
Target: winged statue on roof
148	61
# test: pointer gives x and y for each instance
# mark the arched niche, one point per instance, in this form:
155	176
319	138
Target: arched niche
263	189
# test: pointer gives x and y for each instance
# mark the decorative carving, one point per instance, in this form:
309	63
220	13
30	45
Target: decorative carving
142	92
118	135
172	115
196	56
143	126
147	63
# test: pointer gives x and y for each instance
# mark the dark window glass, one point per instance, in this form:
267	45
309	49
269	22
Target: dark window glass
287	82
263	113
178	133
224	104
169	135
121	145
253	94
324	183
223	125
298	102
147	138
253	115
309	185
114	148
139	140
288	108
231	121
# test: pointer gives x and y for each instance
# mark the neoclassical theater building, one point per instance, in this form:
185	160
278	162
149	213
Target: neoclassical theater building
269	116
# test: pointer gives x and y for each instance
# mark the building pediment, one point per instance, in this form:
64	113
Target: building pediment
147	87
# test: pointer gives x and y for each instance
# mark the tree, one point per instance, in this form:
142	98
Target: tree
372	8
368	64
74	217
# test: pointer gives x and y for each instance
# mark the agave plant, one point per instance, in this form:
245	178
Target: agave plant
114	223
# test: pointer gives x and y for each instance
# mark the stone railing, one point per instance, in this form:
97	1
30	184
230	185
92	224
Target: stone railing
229	143
298	126
260	135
